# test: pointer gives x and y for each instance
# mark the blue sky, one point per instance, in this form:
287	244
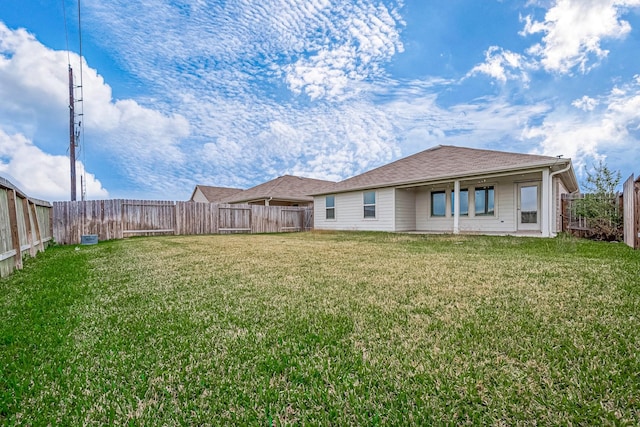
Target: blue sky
237	92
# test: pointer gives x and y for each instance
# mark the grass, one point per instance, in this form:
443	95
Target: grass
323	329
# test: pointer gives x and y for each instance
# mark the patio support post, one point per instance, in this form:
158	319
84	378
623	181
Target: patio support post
456	207
546	205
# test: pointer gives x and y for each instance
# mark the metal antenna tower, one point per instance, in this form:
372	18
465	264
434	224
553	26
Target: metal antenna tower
72	136
75	127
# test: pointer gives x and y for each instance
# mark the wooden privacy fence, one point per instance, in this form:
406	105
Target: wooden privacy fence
631	202
25	226
117	219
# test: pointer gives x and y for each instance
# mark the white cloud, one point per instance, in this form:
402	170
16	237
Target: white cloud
26	79
42	175
254	144
35	93
363	36
235	70
613	129
503	65
624	106
572	137
420	122
325	75
573	31
221	103
316	47
585	103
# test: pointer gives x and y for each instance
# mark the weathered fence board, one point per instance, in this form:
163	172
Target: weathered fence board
308	219
235	219
629	212
196	218
6	244
572	223
636	196
30	228
24	226
145	218
74	219
15	227
265	219
291	220
117	219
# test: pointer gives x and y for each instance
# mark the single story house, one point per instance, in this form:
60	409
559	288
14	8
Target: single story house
209	194
287	190
449	189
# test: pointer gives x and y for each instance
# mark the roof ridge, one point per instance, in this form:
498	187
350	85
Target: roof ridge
490	150
278	182
217	186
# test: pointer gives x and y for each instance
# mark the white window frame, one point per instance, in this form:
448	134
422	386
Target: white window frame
332	208
495	198
369	205
444	193
452	197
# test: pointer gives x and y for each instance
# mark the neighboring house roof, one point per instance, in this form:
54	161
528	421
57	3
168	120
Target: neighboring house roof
447	162
287	187
215	194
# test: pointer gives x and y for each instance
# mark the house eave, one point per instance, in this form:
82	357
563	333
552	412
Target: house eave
495	173
575	187
195	190
271	199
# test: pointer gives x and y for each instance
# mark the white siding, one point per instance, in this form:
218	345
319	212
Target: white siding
401	209
424	221
504	220
350	212
199	197
405	218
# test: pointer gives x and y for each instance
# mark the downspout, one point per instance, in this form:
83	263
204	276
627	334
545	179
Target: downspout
550	213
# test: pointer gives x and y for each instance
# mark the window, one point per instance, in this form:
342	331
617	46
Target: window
330	205
529	204
438	203
369	204
484	200
464	202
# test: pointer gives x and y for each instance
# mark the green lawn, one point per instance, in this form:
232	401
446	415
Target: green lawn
323	329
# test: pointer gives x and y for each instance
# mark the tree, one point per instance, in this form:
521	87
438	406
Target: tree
600	206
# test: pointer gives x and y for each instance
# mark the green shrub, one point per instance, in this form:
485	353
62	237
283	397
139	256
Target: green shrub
600	206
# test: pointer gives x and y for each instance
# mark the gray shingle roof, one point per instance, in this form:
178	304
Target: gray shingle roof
287	187
442	162
215	194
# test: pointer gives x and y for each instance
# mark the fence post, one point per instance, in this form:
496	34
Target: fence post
636	198
36	226
177	218
27	225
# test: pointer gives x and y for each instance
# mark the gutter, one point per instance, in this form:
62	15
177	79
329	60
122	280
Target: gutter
550	212
552	174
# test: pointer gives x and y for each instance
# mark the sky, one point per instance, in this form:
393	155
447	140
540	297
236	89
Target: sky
237	92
